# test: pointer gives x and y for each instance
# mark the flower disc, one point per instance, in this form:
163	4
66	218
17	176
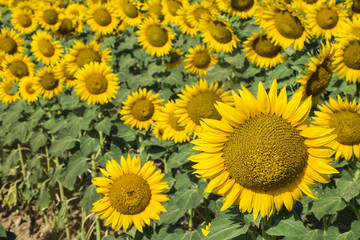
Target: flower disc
6	93
45	49
17	66
11	42
47	83
199	59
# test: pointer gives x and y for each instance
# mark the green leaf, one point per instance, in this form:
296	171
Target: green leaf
38	139
90	196
76	167
11	160
173	214
21	131
89	145
58	146
58	125
288	228
44	198
347	189
228	224
175	78
2	231
193	235
236	60
180	157
69	101
328	203
104	126
190	197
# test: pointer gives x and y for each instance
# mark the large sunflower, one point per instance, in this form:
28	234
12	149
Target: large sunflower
262	52
48	16
11	42
195	12
153	9
326	19
197	102
81	54
318	74
283	25
46	50
102	18
27	89
169	126
346	58
47	83
141	109
17	66
199	59
24	21
262	152
128	11
184	24
170	8
344	117
154	37
132	194
96	83
7	93
243	9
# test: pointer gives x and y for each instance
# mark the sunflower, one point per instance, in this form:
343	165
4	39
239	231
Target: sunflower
282	25
176	57
262	152
132	194
2	58
141	109
195	12
68	25
243	9
11	42
304	5
353	7
318	74
197	102
102	18
48	17
47	83
169	125
346	58
77	11
25	5
129	11
218	34
344	117
81	54
155	38
7	92
170	8
199	59
63	74
17	66
326	19
27	89
24	21
262	52
46	50
158	131
153	8
185	26
351	27
96	83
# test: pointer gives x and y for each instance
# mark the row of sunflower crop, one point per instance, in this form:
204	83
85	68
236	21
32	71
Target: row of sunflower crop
261	154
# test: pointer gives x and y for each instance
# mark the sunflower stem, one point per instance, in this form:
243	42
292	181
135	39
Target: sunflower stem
264	223
93	174
325	224
252	235
191	213
101	135
47	159
22	163
207	211
356	211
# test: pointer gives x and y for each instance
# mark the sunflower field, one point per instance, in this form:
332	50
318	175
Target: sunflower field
179	119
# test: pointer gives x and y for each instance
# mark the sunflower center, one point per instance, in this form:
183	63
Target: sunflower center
19	69
288	25
173	122
66	26
130	194
157	36
86	56
356	6
310	1
202	106
199	12
46	48
352	55
102	17
24	20
219	32
345	124
8	45
202	59
143	110
242	5
173	6
129	9
49	82
265	48
320	79
29	88
327	18
96	83
265	153
50	17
